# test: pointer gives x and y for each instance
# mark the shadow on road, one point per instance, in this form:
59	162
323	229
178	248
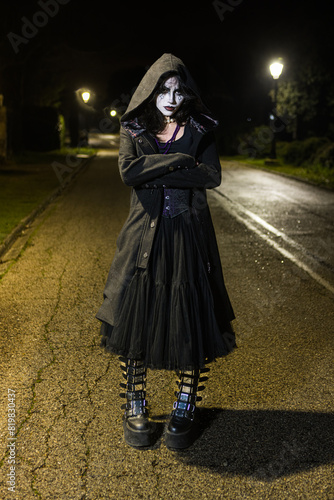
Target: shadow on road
264	444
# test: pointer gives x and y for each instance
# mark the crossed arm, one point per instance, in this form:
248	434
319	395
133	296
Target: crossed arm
175	170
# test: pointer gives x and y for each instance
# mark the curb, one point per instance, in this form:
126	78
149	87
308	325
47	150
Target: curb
18	230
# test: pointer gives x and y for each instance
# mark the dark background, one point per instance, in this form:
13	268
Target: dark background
107	47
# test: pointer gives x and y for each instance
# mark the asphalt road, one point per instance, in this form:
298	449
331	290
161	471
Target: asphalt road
296	218
98	140
267	411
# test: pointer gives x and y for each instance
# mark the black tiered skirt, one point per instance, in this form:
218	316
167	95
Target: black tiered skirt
172	316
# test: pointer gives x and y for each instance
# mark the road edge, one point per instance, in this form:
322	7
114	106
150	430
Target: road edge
9	241
282	174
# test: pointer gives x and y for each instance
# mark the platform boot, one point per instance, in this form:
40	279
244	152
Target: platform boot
138	429
183	426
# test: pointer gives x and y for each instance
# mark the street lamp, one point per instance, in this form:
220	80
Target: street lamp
85	96
275	71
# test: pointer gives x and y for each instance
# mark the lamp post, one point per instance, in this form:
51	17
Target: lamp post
275	71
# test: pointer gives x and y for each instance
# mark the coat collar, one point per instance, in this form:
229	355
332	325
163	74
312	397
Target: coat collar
201	122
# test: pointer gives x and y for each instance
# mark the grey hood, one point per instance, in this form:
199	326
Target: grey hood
145	89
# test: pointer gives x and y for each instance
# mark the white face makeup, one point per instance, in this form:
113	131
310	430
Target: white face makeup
171	99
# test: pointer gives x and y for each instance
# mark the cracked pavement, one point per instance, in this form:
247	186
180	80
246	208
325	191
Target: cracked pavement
267	421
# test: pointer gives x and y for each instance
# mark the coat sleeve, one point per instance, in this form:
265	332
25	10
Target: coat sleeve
140	170
205	174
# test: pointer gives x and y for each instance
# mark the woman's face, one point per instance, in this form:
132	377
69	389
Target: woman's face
169	101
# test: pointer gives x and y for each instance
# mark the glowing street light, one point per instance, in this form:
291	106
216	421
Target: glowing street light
113	112
275	71
85	96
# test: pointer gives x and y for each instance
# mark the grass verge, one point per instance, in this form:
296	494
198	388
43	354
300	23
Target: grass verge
315	174
27	180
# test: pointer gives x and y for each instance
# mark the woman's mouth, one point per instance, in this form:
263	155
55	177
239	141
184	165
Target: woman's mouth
169	108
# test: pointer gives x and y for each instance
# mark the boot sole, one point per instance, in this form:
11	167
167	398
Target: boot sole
138	439
182	440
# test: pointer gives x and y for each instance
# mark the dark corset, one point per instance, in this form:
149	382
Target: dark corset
176	201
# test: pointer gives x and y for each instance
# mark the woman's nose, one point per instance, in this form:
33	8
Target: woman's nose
171	97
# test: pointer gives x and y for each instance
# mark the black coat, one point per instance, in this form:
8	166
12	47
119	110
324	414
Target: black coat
147	171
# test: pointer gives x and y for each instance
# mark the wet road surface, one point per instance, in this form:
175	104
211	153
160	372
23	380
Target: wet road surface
267	411
102	141
295	218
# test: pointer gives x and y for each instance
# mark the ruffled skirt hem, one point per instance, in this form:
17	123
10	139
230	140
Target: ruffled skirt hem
169	317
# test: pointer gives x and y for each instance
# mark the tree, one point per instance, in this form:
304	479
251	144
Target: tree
306	93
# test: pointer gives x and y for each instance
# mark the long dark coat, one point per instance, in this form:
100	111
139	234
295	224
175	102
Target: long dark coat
147	171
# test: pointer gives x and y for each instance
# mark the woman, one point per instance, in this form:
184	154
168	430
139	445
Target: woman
165	303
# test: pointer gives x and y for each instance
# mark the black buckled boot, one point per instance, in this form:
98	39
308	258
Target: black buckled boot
182	427
138	429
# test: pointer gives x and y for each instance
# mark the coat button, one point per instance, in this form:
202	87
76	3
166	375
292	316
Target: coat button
171	169
145	255
140	141
152	224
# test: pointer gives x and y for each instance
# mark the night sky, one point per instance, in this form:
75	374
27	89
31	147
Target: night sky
108	46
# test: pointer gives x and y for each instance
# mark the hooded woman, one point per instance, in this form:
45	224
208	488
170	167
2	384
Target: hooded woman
165	303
